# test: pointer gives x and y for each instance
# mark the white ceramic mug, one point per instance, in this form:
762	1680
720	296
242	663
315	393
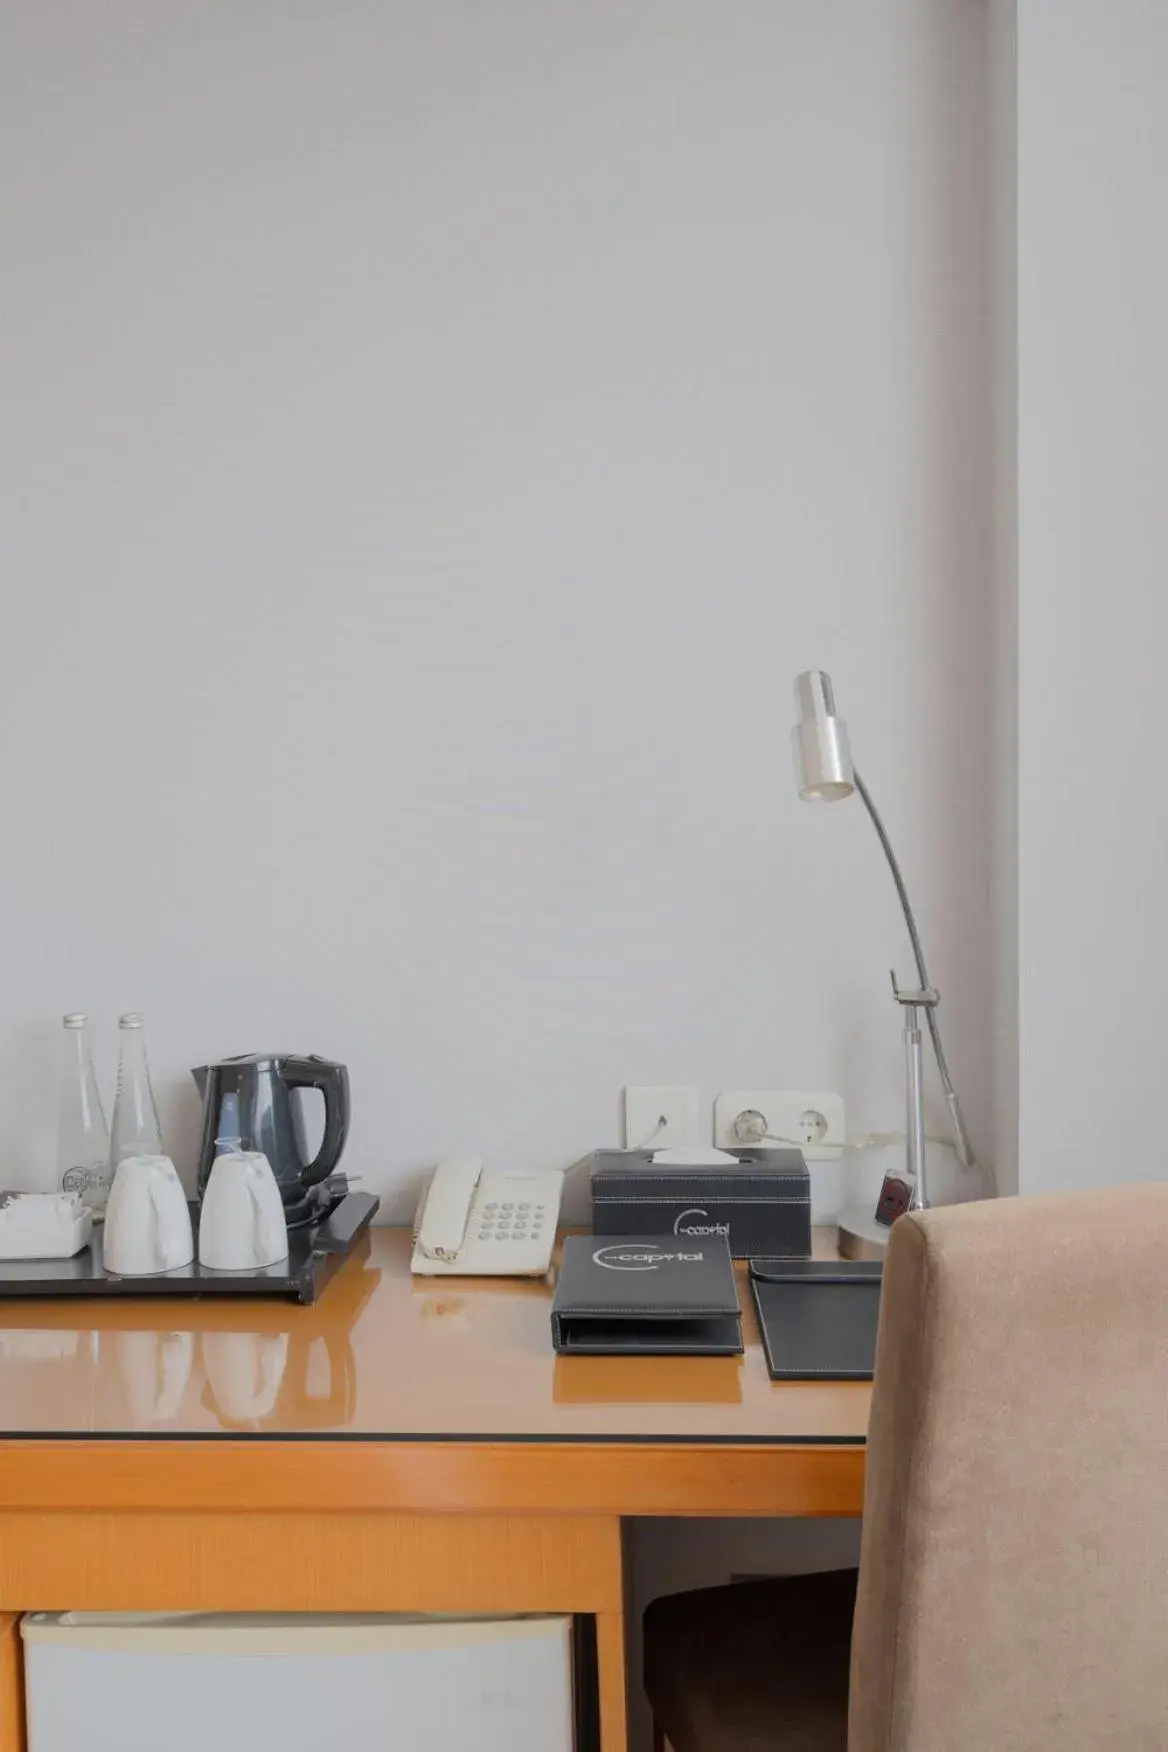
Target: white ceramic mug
241	1224
147	1223
245	1371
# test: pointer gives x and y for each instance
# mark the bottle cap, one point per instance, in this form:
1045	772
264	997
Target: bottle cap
132	1019
75	1020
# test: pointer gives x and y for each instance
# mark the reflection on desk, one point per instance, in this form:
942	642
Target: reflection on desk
641	1380
152	1369
132	1368
384	1356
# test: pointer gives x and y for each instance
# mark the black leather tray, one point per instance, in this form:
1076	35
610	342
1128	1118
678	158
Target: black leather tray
314	1255
817	1317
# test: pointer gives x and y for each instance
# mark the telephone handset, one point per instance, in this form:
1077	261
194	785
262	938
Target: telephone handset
475	1221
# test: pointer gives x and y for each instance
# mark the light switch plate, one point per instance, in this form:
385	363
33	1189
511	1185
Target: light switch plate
660	1117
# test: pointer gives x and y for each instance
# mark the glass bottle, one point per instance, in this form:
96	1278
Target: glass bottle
135	1130
83	1144
228	1141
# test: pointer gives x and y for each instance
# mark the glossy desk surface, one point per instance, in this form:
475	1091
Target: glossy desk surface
389	1358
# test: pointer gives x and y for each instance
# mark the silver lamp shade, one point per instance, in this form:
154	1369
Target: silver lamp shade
823	759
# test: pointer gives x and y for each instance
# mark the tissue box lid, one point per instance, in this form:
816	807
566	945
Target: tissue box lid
762	1176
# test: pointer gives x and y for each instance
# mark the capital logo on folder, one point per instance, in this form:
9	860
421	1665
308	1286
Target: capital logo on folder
620	1258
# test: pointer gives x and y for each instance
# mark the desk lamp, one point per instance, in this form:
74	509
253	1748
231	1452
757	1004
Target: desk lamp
823	766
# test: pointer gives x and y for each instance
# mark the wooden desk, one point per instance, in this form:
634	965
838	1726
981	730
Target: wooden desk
405	1445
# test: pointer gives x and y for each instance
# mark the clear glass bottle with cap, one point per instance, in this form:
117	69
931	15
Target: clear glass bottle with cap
83	1143
135	1131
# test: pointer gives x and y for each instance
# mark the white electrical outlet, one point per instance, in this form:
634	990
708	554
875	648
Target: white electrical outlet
659	1118
809	1119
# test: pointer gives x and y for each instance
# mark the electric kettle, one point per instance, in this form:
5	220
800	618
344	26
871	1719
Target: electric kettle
251	1103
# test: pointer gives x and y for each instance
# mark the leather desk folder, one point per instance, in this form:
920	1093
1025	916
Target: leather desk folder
817	1317
651	1294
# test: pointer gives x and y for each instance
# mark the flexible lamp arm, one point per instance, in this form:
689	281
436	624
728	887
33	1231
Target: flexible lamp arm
960	1135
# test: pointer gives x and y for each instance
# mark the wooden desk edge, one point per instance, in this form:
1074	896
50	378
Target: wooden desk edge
635	1478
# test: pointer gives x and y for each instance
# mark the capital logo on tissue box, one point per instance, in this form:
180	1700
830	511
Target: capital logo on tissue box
690	1223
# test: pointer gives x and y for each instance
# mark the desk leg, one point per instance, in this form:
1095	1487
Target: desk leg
11	1684
610	1658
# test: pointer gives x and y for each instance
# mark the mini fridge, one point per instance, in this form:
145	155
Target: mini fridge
126	1682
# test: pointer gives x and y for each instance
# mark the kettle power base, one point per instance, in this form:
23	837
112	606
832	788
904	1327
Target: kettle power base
315	1254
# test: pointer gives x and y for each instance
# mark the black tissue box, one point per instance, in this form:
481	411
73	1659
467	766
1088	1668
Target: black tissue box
652	1295
761	1204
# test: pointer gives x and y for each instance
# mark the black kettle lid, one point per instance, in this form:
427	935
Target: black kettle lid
273	1060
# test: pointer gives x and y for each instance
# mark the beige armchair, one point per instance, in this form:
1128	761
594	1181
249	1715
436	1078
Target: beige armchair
1013	1582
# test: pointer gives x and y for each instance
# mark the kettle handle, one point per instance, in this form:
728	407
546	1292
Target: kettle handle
333	1083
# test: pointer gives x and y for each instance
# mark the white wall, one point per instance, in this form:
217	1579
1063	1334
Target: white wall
1093	609
1003	274
433	438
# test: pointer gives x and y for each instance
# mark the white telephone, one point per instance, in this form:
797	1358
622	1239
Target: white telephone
475	1221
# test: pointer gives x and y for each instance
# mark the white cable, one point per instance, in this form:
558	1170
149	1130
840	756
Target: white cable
746	1134
662	1122
750	1128
885	1140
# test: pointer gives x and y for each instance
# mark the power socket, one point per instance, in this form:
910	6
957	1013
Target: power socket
808	1119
